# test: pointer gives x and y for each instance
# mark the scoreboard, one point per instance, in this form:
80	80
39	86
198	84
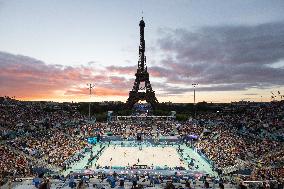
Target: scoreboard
92	140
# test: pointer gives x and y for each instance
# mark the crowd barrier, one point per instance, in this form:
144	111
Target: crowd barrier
165	172
204	156
169	139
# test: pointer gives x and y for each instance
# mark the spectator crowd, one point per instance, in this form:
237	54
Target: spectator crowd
55	133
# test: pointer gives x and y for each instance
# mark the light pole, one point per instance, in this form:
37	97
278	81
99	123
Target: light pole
194	84
90	87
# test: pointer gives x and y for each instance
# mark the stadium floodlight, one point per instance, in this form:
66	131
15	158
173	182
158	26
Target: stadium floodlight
90	87
194	84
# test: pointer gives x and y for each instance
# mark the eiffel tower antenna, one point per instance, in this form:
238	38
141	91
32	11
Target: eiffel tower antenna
142	77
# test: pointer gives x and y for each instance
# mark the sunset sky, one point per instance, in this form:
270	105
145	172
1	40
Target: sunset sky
51	49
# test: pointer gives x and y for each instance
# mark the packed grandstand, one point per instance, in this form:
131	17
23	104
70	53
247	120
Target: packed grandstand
62	148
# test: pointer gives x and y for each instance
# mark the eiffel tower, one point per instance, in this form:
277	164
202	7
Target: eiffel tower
145	92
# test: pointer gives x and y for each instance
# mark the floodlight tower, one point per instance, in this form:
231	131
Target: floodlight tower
90	87
194	84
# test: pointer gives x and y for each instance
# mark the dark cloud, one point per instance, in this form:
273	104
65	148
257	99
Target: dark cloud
262	44
170	89
229	57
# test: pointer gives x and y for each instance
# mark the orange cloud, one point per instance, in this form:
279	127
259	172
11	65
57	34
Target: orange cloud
28	79
110	92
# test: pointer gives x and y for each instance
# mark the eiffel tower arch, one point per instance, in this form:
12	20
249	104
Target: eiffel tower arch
142	89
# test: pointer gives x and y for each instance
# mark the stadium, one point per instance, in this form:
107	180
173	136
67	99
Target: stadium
137	151
145	142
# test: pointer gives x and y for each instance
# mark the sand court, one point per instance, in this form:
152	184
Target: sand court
128	156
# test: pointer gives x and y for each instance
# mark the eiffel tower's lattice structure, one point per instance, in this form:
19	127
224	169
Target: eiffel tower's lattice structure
145	91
